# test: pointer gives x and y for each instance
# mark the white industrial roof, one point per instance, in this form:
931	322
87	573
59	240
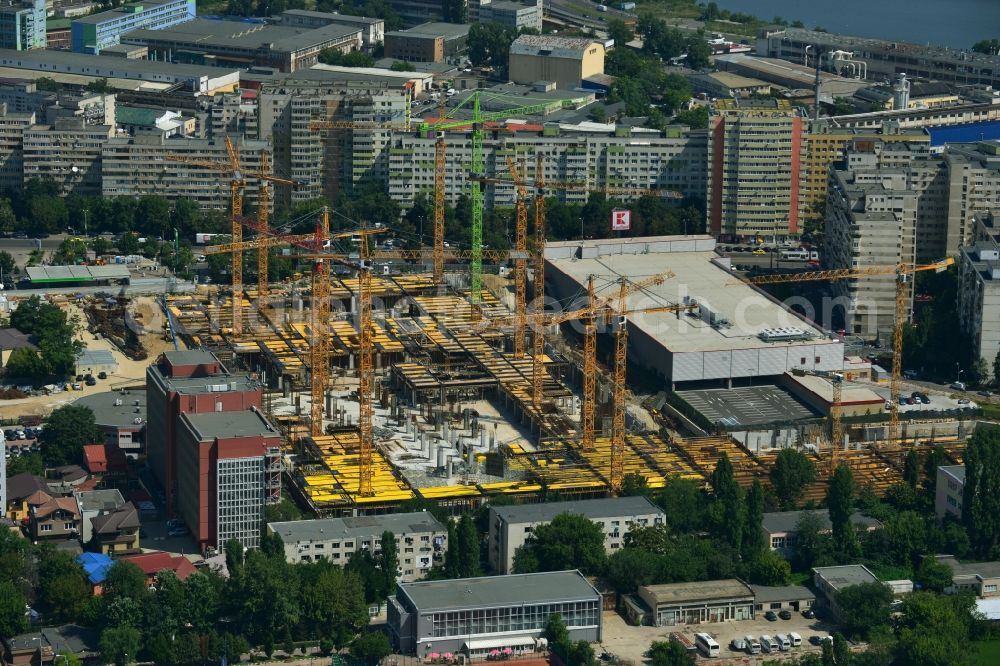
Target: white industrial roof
690	258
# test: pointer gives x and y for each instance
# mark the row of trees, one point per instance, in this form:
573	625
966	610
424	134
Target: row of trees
264	602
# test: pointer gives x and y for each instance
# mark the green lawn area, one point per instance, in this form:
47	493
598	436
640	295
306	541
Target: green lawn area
669	8
990	411
986	653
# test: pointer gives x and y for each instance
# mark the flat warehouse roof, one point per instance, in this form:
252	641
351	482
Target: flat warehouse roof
76	273
708	590
498	591
229	34
359	526
609	507
746	311
249	423
747	405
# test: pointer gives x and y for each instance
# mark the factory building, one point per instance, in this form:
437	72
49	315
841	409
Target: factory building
241	44
228	468
373	29
22	25
565	61
95	32
473	616
428	42
187	382
421	540
734	331
510	527
756	151
880	59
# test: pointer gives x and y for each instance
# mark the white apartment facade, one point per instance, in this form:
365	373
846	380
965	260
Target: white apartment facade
510	527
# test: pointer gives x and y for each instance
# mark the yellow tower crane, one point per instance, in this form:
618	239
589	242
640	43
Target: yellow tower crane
265	179
903	273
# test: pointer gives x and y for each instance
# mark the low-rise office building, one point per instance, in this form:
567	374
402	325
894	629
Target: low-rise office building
780	527
517	15
476	615
691	603
982	578
121	417
421	540
829	581
511	526
428	42
373	29
950	491
795	598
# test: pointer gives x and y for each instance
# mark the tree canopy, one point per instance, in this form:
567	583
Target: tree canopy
570	541
55	335
791	473
981	501
67	430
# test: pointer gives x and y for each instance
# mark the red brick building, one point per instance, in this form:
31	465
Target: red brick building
228	468
188	382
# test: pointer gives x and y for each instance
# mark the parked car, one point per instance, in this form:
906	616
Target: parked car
102	375
985	394
963	401
771	616
91	381
785	614
178	531
809	614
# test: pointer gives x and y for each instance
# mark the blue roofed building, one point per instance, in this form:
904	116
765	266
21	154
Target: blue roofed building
90	34
96	566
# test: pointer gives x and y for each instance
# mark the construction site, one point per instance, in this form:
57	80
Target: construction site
420	375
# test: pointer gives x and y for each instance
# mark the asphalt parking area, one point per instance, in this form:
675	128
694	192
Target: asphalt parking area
747	405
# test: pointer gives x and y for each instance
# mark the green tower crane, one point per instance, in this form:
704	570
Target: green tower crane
474	101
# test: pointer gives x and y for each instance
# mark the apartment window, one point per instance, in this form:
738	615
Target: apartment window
67	526
989	588
45	528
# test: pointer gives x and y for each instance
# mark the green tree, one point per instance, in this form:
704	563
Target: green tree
669	653
6	260
696	118
863	607
47	84
933	574
728	511
13	620
125	580
628	568
619	32
906	536
120	645
911	468
634	485
62	586
769	568
754	539
26	363
489	45
685	503
555	631
933	630
987	46
791	473
813	547
452	556
840	501
402	66
841	650
26	462
371	647
332	602
388	563
333	56
468	543
598	113
981	502
66	432
570	541
698	51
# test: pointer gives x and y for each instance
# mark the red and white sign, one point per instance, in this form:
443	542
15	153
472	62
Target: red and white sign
621	219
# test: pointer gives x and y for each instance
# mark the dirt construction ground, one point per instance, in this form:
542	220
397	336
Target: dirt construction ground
629	643
148	315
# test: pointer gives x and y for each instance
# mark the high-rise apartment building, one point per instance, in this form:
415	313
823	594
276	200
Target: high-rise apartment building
12	126
187	382
137	165
979	288
672	161
91	33
67	152
228	468
757	151
22	25
330	161
825	145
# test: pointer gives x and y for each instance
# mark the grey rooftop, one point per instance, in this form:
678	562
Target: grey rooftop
499	591
706	590
356	527
249	423
787	521
611	507
107	411
846	575
100	500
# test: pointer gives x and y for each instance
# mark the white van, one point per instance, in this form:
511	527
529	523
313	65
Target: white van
752	644
768	644
784	644
795	639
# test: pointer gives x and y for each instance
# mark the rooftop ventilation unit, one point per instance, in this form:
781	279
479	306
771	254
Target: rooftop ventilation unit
783	334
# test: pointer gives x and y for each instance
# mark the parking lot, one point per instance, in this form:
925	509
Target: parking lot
747	405
629	644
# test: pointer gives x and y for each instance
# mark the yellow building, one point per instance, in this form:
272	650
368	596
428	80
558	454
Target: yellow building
565	61
825	145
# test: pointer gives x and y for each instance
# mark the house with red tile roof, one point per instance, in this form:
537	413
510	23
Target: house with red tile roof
155	562
57	518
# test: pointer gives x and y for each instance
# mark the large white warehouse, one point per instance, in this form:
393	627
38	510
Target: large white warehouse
736	332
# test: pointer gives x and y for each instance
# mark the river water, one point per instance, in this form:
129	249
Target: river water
954	23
